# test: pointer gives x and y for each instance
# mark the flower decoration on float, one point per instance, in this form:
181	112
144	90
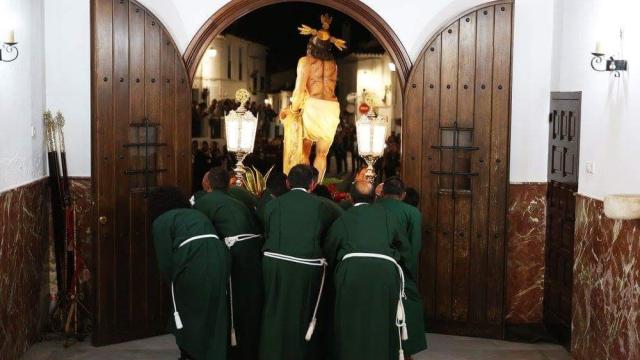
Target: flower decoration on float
371	132
240	131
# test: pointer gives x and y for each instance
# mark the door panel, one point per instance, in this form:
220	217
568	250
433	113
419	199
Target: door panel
463	78
141	122
564	145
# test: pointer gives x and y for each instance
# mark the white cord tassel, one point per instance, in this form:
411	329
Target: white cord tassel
176	316
310	330
400	312
401	322
234	342
401	355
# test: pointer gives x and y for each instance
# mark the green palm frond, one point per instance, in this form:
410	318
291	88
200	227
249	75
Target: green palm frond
254	181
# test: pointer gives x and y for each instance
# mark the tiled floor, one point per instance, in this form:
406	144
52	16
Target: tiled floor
440	347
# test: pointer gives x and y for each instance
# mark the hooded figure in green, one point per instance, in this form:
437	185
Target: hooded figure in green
239	229
410	221
368	250
293	267
196	265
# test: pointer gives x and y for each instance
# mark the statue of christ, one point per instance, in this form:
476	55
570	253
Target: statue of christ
314	113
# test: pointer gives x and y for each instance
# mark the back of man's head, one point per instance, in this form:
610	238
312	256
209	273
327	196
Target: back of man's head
165	198
362	192
322	191
411	197
277	183
300	176
393	186
219	178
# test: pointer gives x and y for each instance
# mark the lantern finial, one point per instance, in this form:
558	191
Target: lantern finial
242	96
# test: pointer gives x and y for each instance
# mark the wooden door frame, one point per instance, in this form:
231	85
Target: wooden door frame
412	146
356	9
98	338
563	337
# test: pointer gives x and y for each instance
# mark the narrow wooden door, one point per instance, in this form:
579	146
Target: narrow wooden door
456	147
140	139
564	146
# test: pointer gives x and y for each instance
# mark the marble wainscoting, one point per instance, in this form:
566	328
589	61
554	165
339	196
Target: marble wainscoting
526	233
24	238
606	285
83	197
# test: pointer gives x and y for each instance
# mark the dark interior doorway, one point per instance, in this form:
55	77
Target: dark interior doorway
562	174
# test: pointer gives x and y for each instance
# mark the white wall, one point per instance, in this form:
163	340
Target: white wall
610	128
22	95
414	21
68	83
531	85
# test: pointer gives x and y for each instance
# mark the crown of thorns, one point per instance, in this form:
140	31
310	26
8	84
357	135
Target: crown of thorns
323	34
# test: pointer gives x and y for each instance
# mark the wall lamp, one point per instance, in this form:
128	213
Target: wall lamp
611	64
9	47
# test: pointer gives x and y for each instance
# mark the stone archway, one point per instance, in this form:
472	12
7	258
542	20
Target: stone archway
356	9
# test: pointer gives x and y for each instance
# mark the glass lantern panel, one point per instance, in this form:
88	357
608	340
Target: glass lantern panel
364	137
379	139
232	129
248	133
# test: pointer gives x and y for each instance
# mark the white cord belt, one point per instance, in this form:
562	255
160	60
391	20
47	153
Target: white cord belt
401	323
176	315
230	241
310	262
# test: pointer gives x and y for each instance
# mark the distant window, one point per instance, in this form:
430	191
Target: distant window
228	61
255	83
239	63
261	83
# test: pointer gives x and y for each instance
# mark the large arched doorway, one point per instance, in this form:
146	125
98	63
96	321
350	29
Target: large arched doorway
456	99
260	55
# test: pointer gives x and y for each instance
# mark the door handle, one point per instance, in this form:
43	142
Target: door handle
103	220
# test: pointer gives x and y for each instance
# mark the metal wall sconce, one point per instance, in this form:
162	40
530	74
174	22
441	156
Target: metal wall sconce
611	64
9	47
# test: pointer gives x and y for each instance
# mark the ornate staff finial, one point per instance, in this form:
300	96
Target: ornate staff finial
59	124
59	119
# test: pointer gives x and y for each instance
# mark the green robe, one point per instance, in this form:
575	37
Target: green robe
410	220
367	289
230	217
244	196
261	207
295	225
199	271
336	210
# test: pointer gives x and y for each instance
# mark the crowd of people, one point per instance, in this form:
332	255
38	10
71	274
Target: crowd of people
291	274
218	108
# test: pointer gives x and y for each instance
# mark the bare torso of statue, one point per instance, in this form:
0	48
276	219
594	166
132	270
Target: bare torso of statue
322	78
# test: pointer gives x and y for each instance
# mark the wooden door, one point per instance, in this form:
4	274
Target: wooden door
140	139
564	146
456	147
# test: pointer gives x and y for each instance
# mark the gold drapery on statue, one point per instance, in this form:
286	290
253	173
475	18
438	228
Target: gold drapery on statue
292	152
